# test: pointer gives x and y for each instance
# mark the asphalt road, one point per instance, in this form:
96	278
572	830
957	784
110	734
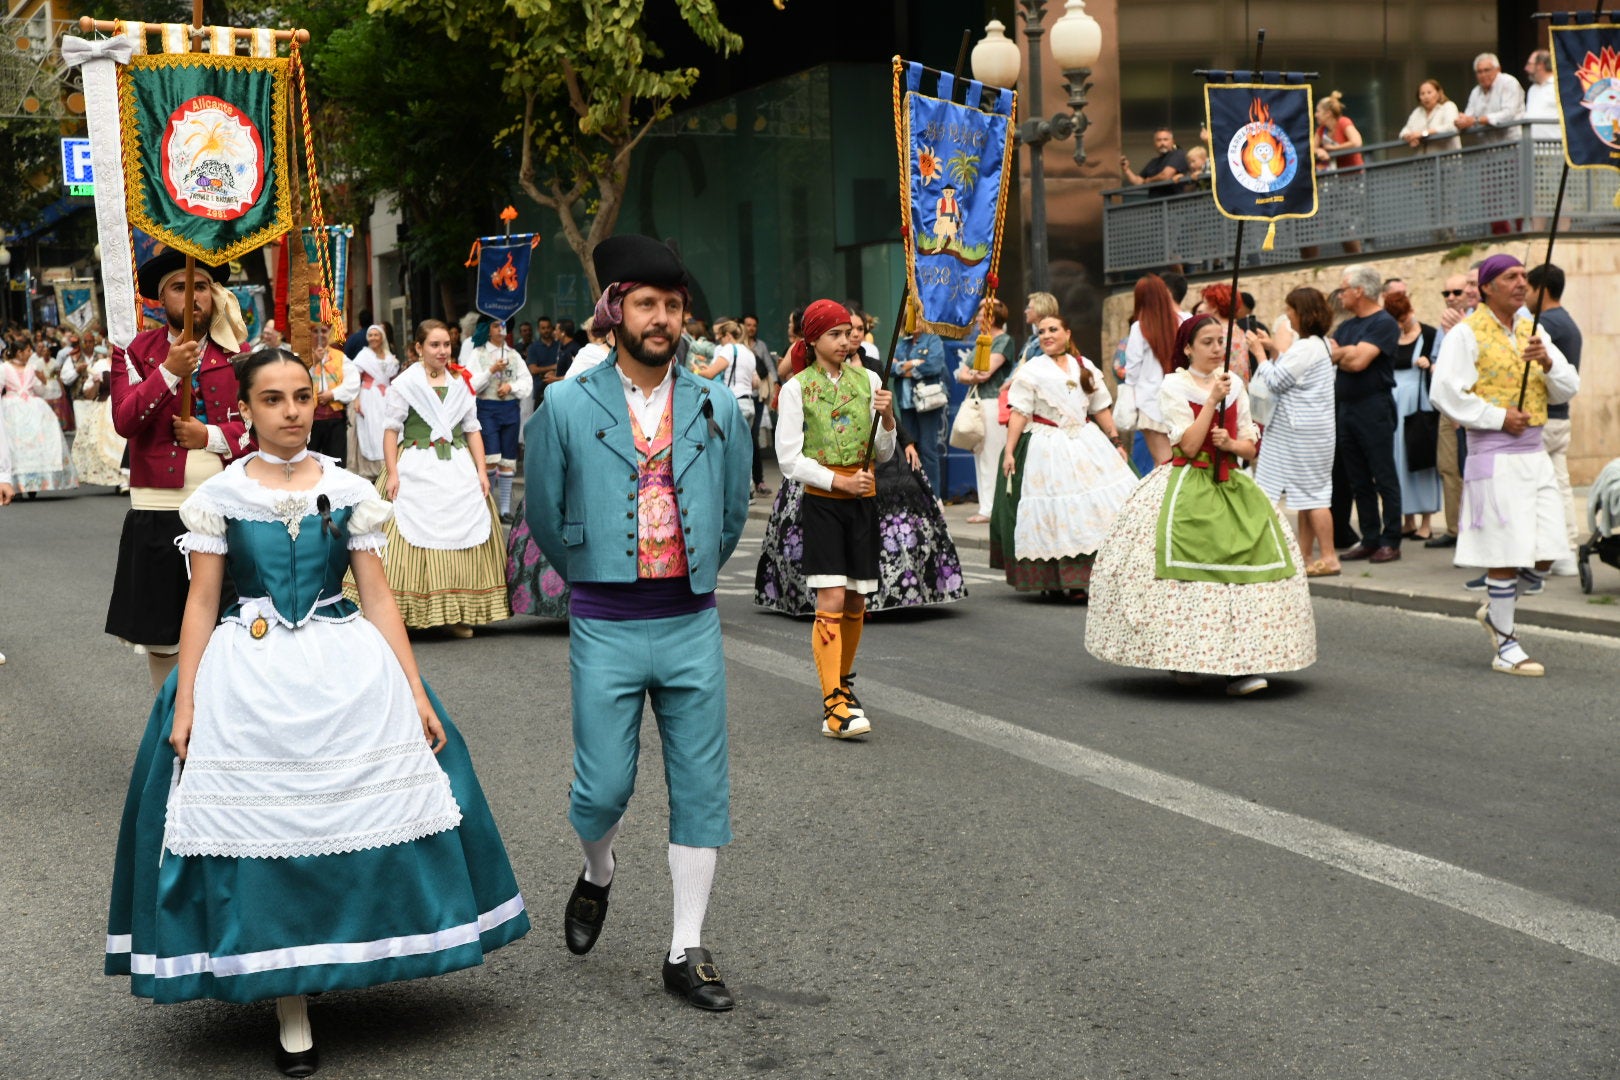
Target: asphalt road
1395	864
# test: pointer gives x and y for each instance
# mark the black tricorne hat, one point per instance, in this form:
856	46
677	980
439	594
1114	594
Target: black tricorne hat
152	272
639	258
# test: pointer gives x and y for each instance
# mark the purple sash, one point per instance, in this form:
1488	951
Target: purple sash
1480	469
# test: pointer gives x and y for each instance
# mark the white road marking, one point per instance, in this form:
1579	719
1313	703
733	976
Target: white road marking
1514	907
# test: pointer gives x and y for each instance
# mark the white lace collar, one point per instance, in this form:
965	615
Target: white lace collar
234	494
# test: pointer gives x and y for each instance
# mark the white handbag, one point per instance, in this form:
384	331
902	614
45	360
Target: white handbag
1125	407
927	397
967	430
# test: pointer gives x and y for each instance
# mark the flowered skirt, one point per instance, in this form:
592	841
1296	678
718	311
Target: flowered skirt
1138	619
39	452
98	449
532	586
917	560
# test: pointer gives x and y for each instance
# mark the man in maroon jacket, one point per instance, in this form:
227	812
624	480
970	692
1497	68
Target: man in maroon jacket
170	454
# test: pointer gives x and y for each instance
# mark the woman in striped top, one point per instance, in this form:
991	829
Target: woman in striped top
1296	455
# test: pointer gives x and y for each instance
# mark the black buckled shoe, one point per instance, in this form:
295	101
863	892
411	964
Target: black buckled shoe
303	1063
583	918
698	981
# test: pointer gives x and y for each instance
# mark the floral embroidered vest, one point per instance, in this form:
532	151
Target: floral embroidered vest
661	543
1500	367
837	415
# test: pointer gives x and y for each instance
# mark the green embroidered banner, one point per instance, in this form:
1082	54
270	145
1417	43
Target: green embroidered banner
205	151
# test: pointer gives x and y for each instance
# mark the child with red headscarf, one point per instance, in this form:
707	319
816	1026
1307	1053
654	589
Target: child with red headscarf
825	418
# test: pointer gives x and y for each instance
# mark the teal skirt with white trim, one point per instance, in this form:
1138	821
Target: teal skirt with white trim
243	930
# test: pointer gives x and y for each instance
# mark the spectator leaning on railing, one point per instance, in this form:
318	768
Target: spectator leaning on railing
1434	118
1168	162
1493	103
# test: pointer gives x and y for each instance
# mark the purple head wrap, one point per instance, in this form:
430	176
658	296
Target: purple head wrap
610	306
1494	266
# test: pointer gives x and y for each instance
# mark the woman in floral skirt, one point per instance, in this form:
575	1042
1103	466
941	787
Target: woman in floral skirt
1200	573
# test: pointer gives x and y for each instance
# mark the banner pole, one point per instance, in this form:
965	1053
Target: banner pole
1237	271
186	330
1552	237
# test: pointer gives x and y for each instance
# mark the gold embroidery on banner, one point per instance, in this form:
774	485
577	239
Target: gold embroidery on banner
139	216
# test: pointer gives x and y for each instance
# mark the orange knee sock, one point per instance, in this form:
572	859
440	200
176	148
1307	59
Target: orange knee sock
827	649
850	639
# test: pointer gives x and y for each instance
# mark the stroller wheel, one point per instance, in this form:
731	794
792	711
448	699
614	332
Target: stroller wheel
1584	569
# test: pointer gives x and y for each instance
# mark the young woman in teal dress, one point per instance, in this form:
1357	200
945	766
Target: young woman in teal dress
302	816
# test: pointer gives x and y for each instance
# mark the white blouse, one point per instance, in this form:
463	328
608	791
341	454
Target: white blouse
1181	390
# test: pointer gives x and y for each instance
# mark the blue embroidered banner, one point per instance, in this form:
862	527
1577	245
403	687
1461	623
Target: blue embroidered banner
1260	146
1586	70
503	274
955	165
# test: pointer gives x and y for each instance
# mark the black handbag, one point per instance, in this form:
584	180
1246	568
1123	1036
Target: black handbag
1422	435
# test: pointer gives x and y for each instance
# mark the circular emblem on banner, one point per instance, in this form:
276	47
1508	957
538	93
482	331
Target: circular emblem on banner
1262	157
213	159
1603	99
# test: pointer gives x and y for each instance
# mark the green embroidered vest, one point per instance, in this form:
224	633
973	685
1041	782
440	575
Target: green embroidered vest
837	415
1500	367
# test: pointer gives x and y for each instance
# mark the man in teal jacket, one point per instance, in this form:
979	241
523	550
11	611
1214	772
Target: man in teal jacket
638	476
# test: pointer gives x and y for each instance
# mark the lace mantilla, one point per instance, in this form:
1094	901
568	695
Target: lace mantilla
320	845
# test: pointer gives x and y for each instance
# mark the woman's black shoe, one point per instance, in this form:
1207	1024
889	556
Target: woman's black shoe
303	1063
698	981
583	918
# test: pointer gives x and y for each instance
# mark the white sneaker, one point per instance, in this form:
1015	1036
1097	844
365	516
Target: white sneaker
1564	567
1244	685
2	657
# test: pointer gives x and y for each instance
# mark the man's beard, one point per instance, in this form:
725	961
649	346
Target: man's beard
199	321
638	349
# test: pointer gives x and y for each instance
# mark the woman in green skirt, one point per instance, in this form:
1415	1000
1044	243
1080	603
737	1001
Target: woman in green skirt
302	815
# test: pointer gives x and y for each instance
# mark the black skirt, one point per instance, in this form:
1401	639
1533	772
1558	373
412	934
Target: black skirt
149	590
330	437
840	537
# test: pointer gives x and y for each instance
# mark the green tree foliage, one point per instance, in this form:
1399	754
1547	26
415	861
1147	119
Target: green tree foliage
582	86
400	112
30	176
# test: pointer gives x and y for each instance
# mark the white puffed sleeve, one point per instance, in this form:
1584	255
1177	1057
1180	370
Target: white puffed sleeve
395	410
205	528
1099	398
366	526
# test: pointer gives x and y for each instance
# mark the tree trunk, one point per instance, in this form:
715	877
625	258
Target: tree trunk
447	297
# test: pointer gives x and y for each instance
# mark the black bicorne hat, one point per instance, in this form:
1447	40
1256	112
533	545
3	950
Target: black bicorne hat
150	276
639	258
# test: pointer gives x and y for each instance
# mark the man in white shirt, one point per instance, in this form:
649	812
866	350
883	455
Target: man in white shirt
501	380
1493	103
1541	99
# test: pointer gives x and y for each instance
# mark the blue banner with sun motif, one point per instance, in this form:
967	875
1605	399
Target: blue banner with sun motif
955	165
1260	146
1586	70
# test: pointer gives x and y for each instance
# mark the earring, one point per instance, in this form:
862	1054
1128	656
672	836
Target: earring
247	423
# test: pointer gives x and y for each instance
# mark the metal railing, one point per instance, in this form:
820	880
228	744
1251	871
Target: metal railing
1397	200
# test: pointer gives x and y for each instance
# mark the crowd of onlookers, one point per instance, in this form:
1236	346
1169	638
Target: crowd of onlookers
1341	387
1494	111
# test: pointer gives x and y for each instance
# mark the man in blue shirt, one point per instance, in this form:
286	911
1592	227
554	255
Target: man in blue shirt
919	360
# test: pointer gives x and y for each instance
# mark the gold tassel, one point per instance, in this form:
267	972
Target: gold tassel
913	310
981	353
1617	200
1271	237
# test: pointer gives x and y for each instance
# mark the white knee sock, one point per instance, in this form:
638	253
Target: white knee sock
158	665
599	862
504	484
1504	598
293	1015
691	872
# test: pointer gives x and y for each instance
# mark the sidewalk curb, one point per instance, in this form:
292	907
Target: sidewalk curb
1462	607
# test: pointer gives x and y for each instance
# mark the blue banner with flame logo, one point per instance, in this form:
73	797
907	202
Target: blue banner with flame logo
1586	70
503	274
1260	152
955	164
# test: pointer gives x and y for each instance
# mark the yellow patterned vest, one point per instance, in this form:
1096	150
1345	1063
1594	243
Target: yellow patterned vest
1500	368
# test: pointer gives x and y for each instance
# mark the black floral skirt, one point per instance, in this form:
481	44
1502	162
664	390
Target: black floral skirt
917	561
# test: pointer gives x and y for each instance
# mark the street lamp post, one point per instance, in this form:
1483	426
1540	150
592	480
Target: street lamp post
1076	45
